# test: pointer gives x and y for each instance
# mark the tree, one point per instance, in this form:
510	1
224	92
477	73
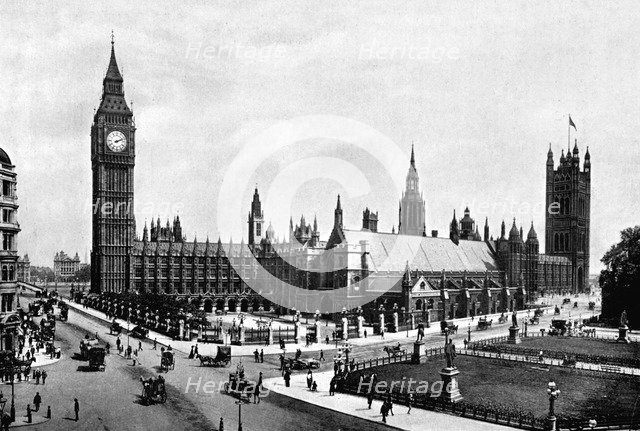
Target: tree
83	274
620	281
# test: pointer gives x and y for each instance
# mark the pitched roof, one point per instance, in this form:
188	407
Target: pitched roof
390	252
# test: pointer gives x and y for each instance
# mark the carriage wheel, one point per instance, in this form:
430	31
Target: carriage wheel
163	397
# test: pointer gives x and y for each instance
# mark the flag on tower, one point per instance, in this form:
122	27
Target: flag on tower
571	124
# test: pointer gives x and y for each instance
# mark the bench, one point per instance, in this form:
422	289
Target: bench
610	368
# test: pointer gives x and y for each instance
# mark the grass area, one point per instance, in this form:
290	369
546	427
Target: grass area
583	345
523	386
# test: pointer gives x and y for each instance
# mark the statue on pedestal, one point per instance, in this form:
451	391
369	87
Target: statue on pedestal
450	354
623	319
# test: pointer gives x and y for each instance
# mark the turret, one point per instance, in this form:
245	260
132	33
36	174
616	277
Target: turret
145	233
337	215
587	162
454	232
502	231
486	229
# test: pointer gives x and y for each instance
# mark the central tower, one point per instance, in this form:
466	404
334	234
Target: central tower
112	163
411	212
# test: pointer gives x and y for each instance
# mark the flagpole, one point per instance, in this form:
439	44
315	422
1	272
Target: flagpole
569	134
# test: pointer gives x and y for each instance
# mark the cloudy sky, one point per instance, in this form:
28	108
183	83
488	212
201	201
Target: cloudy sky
302	97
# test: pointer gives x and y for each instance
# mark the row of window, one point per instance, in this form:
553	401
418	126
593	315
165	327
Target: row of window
8	273
7	302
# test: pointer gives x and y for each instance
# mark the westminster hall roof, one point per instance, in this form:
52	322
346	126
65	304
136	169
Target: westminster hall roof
391	252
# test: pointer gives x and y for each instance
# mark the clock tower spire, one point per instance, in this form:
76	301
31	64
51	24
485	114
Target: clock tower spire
112	163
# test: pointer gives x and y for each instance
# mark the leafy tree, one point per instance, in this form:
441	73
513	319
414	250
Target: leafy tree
620	281
83	274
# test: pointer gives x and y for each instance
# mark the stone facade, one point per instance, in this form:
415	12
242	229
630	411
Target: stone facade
65	267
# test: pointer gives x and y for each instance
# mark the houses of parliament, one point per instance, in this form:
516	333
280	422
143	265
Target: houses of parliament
466	273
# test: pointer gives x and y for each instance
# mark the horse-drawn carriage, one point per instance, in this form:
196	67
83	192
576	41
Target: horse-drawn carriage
139	332
167	361
64	312
559	327
502	318
96	358
535	320
153	390
222	358
448	326
85	346
483	323
396	350
115	328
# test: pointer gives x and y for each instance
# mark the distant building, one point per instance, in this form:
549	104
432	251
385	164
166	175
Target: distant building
65	267
9	228
24	269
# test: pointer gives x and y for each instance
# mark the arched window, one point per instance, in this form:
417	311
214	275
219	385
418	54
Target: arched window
5	273
12	274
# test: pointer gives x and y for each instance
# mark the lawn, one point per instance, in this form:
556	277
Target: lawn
583	345
523	386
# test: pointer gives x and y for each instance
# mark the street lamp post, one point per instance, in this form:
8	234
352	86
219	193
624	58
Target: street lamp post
239	403
469	333
554	393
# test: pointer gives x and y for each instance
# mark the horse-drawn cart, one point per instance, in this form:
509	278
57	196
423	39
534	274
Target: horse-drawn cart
239	387
153	390
115	328
448	326
96	358
483	323
222	358
394	351
167	362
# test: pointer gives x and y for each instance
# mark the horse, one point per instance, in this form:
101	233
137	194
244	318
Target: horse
205	359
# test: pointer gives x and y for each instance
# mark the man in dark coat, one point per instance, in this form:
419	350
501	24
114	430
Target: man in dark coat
37	400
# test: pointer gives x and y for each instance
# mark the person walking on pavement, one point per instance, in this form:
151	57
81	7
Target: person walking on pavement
37	400
370	398
139	346
44	376
195	351
76	408
309	379
221	427
155	344
261	356
385	411
256	356
37	377
287	378
389	403
332	386
409	402
191	353
321	355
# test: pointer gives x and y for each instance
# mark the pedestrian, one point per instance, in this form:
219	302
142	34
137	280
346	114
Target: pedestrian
409	402
37	377
118	342
370	398
261	356
37	400
155	344
281	363
221	427
381	333
140	346
191	354
389	403
195	351
332	386
385	411
321	355
333	335
44	376
256	394
314	386
326	339
287	378
76	408
29	419
135	358
309	379
256	356
365	333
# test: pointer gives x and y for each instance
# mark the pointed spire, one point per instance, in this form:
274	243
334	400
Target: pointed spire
113	73
413	157
145	232
338	207
315	223
532	233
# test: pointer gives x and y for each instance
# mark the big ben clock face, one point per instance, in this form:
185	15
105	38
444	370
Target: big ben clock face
116	141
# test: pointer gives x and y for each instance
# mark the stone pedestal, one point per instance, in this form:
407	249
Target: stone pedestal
514	335
360	326
450	389
417	352
270	337
622	335
345	329
550	423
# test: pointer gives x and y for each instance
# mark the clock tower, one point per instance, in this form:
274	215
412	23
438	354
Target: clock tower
112	163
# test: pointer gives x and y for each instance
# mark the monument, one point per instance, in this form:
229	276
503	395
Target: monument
514	330
623	329
450	389
417	345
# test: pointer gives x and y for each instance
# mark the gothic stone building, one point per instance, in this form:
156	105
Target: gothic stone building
462	275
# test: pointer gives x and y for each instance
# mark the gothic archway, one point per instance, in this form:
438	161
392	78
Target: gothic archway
208	305
244	305
220	305
232	305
